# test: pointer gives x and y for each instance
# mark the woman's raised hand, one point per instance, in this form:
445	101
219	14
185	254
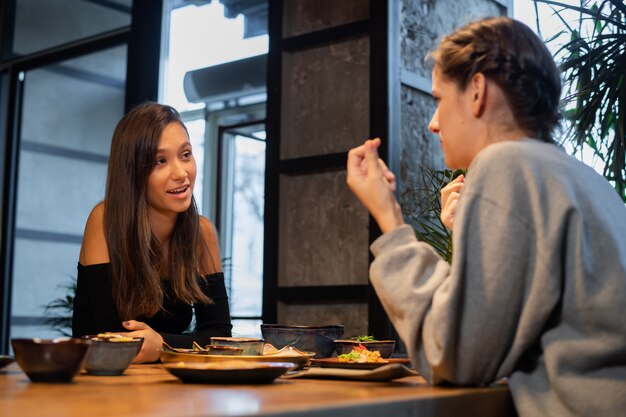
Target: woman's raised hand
152	341
372	182
449	199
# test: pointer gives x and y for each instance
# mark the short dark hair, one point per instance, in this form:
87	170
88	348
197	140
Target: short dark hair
507	52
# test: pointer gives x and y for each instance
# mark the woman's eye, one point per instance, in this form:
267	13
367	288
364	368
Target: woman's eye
159	161
186	155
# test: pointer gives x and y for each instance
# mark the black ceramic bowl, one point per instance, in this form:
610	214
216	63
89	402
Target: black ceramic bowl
110	357
318	339
50	360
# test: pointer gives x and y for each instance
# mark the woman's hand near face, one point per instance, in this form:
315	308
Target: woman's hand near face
449	199
372	182
152	341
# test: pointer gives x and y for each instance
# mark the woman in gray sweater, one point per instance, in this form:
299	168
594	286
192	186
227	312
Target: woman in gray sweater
536	291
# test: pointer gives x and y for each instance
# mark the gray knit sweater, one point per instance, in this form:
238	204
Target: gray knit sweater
536	291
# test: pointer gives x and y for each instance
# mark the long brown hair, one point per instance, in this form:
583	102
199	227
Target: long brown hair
509	53
134	251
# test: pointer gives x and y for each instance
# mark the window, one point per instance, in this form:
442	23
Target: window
210	64
70	92
242	187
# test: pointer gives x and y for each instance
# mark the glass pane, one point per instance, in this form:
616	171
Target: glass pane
196	136
247	328
41	25
201	36
69	112
242	224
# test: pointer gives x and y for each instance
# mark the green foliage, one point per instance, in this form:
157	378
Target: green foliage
593	62
426	221
59	311
364	338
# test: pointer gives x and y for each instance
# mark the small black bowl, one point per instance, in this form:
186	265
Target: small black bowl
50	360
106	356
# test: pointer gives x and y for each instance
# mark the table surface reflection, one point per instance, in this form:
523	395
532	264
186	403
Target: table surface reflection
149	390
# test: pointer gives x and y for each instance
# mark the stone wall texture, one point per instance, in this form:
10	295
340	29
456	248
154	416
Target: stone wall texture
424	22
325	99
304	16
323	232
352	316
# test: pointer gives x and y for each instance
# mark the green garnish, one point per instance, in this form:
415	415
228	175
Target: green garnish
352	356
364	338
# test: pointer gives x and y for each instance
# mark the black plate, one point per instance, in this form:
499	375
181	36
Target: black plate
334	363
229	373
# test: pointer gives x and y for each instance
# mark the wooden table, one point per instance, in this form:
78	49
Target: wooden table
149	390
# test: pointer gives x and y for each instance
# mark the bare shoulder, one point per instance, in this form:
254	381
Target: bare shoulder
210	246
94	249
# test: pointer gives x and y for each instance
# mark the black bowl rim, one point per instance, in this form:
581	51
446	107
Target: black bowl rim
299	327
386	341
50	342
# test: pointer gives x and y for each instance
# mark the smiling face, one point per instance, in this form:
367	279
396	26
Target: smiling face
170	184
453	122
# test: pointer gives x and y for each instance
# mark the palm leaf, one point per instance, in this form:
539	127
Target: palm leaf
593	62
426	222
59	311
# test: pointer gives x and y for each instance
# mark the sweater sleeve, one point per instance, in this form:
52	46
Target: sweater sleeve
469	323
211	319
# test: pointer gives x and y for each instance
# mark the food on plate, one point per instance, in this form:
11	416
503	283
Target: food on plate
114	337
360	354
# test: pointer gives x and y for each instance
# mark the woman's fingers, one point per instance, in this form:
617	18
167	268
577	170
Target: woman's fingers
389	176
454	186
133	325
152	341
448	211
450	195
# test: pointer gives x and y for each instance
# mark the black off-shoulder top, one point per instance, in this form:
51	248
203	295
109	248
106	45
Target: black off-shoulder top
95	311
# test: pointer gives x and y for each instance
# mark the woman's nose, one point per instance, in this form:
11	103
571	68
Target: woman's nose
433	126
178	172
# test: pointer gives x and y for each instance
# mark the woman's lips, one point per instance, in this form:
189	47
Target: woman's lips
180	192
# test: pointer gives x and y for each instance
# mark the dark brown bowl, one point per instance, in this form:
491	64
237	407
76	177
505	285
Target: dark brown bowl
50	360
108	357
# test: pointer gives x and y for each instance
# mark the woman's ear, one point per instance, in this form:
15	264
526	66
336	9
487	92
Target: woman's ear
477	90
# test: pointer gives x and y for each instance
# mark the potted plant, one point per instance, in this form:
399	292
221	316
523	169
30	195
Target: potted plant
593	63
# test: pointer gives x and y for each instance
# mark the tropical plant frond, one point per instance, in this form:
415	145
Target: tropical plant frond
588	12
592	63
426	222
59	311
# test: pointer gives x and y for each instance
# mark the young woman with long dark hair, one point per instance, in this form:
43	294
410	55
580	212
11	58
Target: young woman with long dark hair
148	261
